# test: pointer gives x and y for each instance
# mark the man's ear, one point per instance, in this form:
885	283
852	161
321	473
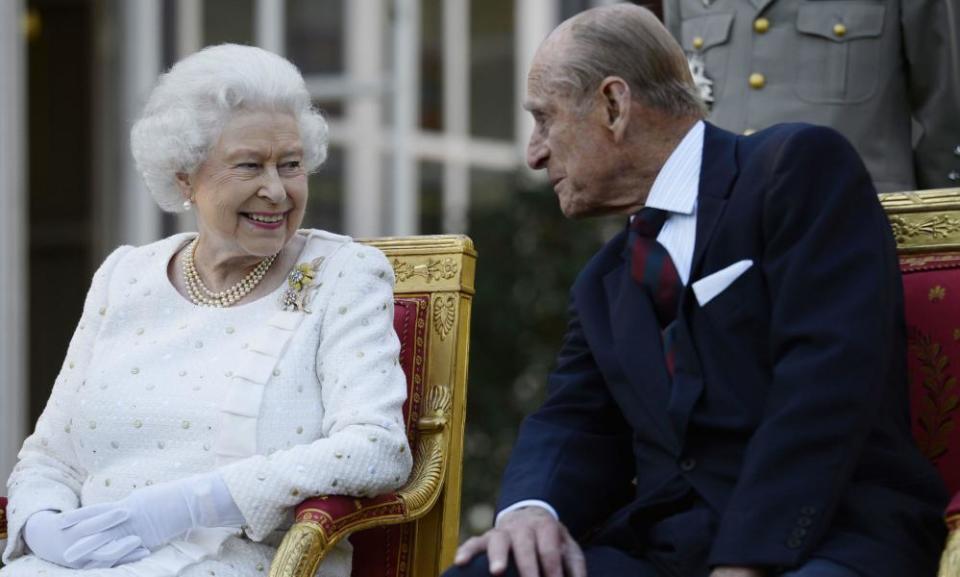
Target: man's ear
183	184
616	101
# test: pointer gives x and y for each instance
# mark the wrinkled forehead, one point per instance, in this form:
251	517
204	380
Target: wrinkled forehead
547	62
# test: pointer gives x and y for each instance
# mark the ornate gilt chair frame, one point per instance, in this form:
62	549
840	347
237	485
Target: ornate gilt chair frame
926	224
438	271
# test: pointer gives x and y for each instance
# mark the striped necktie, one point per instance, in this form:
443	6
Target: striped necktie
652	267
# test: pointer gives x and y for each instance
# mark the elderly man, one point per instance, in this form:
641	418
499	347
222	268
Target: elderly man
730	398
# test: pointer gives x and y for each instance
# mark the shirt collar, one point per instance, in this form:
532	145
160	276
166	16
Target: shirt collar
678	182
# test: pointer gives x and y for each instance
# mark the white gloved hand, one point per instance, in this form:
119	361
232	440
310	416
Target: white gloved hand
160	513
86	544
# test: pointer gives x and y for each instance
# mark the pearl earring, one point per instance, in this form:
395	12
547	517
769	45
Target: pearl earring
187	204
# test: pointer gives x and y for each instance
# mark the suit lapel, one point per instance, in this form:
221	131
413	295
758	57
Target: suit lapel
636	340
718	171
760	4
717	174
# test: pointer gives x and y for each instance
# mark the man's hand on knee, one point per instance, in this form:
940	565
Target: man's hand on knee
537	541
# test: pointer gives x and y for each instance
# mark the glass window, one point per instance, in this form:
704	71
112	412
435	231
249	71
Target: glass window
570	7
227	21
325	208
492	69
431	65
431	198
330	108
315	35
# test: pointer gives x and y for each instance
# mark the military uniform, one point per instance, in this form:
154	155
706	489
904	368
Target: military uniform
885	73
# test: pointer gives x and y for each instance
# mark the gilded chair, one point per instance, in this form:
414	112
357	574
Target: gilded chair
412	532
926	225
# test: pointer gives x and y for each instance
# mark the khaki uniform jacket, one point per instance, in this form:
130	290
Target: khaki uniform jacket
885	73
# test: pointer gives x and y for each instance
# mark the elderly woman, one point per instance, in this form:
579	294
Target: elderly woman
217	378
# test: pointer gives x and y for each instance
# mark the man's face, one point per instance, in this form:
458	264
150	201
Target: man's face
570	141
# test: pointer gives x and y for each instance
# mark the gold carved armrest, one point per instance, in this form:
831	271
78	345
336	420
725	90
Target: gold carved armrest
321	522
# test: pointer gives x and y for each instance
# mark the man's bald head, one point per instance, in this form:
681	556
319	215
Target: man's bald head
625	41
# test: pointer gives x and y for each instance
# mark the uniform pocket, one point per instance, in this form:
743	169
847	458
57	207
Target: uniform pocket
838	50
708	36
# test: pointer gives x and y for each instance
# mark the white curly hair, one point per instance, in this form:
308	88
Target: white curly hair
190	105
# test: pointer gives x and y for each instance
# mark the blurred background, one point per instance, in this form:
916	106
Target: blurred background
427	136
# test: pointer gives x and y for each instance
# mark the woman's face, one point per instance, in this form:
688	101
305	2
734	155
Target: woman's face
251	190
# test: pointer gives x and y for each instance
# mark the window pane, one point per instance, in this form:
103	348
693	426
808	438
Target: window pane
491	69
330	108
431	65
431	198
325	209
227	21
315	35
570	7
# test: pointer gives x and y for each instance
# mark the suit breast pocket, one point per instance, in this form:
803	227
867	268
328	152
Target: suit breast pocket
838	49
737	303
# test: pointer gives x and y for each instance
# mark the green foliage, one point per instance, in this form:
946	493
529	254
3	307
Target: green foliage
529	256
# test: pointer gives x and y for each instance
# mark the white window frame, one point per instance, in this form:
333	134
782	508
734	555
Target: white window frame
363	133
13	234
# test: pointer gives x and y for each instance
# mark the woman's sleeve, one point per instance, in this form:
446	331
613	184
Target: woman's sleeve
364	446
48	474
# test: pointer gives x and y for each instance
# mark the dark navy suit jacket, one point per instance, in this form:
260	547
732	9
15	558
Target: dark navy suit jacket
784	433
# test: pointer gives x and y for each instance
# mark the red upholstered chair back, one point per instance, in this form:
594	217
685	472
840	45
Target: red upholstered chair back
926	224
3	518
931	285
382	551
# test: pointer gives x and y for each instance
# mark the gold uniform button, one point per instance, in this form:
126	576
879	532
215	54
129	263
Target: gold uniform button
757	81
698	42
761	25
839	30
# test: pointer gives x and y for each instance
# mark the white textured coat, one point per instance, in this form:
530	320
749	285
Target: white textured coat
284	404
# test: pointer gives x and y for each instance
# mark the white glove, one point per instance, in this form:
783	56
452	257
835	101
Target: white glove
81	545
160	513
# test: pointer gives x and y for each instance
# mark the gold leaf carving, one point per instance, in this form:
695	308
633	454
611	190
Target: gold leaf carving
444	314
301	551
424	481
940	399
937	226
937	293
437	409
428	466
434	270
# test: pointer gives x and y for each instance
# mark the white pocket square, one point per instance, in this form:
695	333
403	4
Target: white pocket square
711	285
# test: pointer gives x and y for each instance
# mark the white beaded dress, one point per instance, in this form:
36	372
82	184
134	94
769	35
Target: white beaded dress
283	403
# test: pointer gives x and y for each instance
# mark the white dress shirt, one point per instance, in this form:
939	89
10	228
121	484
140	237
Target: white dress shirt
675	190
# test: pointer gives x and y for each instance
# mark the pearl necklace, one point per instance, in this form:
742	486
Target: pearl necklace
200	295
